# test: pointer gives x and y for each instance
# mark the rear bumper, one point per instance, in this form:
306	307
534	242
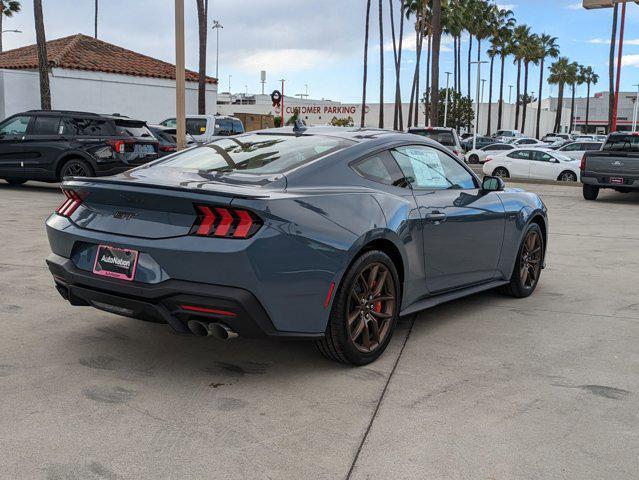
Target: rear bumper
603	181
164	302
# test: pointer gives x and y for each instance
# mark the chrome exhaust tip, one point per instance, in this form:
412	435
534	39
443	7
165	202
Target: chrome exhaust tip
217	330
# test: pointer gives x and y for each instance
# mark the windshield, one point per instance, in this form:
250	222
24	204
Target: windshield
564	158
444	137
257	154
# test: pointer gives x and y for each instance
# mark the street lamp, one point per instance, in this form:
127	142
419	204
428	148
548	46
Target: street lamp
217	26
477	102
448	74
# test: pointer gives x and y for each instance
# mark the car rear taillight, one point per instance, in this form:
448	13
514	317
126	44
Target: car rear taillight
116	145
582	165
225	222
488	159
167	148
71	204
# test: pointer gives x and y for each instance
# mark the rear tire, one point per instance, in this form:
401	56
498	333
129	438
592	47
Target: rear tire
75	167
473	159
591	192
15	181
359	331
501	172
527	270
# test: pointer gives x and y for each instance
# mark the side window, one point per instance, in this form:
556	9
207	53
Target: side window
527	142
87	127
541	157
499	147
223	127
573	147
46	126
196	126
520	155
592	146
238	127
380	168
15	126
428	168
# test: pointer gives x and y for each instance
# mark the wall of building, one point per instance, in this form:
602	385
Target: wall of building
149	99
321	112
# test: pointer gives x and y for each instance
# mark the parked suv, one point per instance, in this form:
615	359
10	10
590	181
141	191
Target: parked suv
446	136
50	145
203	128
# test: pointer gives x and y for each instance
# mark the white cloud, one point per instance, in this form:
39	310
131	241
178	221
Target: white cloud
630	60
288	60
575	6
603	41
506	6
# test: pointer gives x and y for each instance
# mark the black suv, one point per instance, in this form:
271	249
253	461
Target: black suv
50	145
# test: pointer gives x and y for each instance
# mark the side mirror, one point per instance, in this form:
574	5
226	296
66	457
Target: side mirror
492	184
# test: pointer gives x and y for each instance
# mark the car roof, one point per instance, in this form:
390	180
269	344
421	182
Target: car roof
348	133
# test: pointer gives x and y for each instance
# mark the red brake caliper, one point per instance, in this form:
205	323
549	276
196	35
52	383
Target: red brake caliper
378	305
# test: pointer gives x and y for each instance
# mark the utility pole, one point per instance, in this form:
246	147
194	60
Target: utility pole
446	101
619	59
263	79
217	26
478	63
180	76
230	86
635	116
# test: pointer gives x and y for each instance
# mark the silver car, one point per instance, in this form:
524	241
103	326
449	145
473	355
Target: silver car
446	136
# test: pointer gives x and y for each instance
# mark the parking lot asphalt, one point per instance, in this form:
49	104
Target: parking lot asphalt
487	387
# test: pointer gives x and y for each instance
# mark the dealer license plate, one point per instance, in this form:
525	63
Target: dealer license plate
115	262
616	180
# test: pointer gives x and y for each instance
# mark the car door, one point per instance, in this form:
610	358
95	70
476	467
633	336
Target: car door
462	228
518	163
543	166
13	132
44	143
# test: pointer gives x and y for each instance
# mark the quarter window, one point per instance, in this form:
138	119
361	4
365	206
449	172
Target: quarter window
380	168
15	126
428	168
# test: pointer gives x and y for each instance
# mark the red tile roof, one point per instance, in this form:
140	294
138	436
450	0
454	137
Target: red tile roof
80	52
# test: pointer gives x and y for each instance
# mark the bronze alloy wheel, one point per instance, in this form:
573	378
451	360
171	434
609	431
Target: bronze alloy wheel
530	259
371	304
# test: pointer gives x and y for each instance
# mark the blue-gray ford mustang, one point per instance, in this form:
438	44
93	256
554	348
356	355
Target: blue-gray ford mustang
322	233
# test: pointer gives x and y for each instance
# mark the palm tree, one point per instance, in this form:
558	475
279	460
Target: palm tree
43	62
436	27
560	74
470	11
202	11
531	53
589	78
611	68
547	48
381	67
521	34
398	121
502	23
7	9
418	7
452	25
505	49
576	79
368	19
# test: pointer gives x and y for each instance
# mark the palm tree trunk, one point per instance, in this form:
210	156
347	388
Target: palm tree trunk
587	107
560	101
470	48
95	20
517	98
368	18
572	108
418	64
455	75
381	66
459	74
525	105
400	112
202	33
611	68
43	62
490	95
541	86
414	89
427	89
396	107
436	27
500	109
1	15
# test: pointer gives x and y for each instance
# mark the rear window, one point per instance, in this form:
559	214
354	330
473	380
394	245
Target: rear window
622	143
196	126
257	154
443	137
87	127
128	128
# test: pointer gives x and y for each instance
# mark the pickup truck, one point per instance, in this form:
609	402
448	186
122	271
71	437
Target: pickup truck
615	166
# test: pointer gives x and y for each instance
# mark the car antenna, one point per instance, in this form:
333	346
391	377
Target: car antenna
299	127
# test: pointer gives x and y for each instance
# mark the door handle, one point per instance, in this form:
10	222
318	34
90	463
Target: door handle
436	217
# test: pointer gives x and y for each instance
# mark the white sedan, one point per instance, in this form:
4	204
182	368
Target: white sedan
479	155
532	163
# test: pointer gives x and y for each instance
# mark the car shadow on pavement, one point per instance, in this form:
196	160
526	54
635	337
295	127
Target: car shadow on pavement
38	187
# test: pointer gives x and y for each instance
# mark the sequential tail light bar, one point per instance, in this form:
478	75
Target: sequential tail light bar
225	222
71	204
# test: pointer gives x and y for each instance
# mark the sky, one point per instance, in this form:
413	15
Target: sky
317	43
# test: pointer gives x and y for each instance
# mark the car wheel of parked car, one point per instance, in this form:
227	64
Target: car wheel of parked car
15	181
527	269
501	172
364	312
76	167
473	159
567	176
591	192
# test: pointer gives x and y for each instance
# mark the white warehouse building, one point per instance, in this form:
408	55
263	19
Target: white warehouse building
91	75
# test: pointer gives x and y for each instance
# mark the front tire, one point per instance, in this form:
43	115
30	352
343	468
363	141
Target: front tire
501	172
567	176
365	311
591	192
527	271
473	159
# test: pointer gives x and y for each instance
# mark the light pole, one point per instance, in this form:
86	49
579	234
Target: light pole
448	74
230	86
217	26
635	116
510	93
180	75
477	102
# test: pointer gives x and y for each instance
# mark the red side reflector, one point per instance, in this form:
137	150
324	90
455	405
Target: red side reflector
329	294
214	311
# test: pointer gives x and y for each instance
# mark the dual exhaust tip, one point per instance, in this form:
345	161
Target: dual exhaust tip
212	329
